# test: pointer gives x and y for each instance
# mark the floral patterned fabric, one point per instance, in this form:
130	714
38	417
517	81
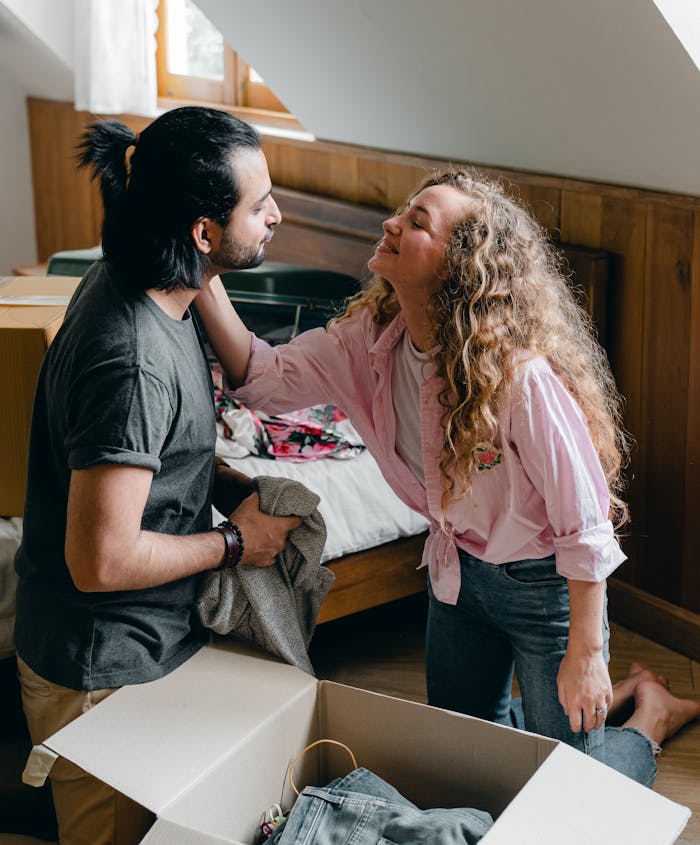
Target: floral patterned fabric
322	431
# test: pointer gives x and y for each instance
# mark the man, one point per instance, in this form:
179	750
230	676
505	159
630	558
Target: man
117	524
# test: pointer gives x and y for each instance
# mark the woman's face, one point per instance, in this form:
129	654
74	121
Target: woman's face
411	255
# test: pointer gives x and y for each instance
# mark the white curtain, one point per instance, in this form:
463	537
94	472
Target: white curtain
115	56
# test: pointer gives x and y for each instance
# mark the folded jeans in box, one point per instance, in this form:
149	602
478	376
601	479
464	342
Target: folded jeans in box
208	747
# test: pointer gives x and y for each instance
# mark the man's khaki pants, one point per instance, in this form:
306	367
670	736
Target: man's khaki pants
88	811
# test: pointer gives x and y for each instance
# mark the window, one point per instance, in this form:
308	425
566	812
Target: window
195	63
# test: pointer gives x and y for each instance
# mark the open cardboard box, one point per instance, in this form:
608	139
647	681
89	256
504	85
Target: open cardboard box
208	750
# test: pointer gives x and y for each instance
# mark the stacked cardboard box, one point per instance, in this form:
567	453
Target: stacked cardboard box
31	312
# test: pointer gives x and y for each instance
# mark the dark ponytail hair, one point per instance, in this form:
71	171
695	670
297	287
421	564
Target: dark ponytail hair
181	169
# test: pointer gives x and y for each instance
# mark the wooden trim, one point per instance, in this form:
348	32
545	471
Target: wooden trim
260	96
235	89
373	157
373	577
661	621
260	117
179	85
161	48
234	73
194	88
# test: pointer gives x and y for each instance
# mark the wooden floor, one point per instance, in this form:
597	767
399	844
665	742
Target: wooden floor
382	650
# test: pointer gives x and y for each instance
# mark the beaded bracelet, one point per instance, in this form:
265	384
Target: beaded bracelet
234	544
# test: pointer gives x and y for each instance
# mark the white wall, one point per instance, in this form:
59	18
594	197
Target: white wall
36	54
36	48
598	89
51	21
17	232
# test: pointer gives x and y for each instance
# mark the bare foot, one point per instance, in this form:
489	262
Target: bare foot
658	714
623	691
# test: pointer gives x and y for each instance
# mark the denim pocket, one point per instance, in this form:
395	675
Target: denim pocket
534	573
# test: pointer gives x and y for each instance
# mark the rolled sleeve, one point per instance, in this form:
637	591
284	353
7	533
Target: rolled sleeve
119	415
556	450
589	555
263	377
318	366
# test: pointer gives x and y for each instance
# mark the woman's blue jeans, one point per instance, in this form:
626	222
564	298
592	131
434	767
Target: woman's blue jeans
515	617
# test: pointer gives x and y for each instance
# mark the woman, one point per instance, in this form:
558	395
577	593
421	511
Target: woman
474	379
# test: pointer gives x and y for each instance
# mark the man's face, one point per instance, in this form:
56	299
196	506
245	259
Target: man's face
253	220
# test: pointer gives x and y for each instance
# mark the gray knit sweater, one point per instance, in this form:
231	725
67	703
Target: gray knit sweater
274	607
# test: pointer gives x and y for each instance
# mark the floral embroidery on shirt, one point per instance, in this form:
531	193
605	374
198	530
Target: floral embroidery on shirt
487	456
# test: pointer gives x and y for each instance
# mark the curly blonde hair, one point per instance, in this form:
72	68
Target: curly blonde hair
506	301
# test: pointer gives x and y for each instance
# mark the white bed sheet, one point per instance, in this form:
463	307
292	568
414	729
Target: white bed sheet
360	510
358	506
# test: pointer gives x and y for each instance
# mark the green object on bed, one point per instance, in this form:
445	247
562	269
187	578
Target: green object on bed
276	300
73	262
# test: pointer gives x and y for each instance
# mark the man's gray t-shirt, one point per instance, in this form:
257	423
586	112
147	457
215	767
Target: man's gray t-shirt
122	383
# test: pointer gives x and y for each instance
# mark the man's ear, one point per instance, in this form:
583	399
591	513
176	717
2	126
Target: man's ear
206	234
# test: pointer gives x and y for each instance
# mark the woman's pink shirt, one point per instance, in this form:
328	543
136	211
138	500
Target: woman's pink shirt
541	491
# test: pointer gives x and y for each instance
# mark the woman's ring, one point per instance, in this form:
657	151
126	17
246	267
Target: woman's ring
601	710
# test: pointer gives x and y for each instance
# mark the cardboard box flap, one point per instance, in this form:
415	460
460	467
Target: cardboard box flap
230	800
154	741
460	765
38	285
164	832
24	303
577	800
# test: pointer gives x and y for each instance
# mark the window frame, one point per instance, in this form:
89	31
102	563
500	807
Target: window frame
236	92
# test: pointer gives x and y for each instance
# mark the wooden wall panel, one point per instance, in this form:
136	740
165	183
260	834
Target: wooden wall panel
666	356
402	182
373	178
623	235
653	311
581	218
343	177
293	243
67	204
545	204
691	538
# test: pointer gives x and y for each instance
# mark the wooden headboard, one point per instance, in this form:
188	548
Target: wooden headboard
333	235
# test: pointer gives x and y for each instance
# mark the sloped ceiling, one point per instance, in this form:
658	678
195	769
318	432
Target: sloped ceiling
36	46
597	89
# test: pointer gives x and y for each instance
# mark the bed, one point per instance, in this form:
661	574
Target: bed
312	264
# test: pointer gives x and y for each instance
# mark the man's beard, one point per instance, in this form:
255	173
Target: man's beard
233	255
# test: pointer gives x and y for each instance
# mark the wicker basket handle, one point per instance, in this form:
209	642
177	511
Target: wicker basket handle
308	748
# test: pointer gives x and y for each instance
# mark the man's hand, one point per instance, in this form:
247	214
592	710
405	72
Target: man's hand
230	487
264	536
